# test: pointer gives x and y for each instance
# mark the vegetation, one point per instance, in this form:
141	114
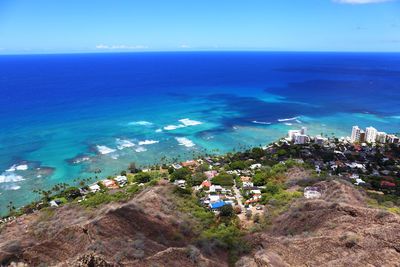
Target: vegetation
142	177
95	200
181	174
223	179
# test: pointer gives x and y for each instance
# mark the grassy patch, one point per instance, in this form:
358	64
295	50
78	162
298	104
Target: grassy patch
98	199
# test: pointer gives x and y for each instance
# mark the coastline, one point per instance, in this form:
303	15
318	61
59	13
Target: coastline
163	171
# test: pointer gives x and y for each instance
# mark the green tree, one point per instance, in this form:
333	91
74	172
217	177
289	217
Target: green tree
238	165
181	174
226	211
196	179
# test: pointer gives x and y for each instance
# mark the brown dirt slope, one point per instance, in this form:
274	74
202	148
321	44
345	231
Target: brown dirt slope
145	231
336	230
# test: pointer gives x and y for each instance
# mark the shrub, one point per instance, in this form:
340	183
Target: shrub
226	211
193	253
142	177
182	191
98	199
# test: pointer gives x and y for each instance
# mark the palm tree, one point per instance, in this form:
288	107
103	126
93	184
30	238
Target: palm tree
11	207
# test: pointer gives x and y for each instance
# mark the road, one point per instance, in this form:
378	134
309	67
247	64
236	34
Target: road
238	196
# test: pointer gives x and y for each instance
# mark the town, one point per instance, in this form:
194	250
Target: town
245	182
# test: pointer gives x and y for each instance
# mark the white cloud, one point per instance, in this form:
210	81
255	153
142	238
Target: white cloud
184	46
360	2
124	47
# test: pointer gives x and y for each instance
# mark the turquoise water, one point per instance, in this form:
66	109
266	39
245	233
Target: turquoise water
66	116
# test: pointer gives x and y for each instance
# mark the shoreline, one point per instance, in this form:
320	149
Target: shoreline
164	168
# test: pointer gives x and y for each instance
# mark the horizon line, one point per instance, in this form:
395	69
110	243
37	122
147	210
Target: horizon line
199	51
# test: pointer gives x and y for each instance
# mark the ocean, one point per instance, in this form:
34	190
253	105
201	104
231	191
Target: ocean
66	117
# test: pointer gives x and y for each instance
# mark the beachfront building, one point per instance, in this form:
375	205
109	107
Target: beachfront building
370	134
320	140
94	188
355	134
303	131
292	134
381	137
301	139
392	139
121	180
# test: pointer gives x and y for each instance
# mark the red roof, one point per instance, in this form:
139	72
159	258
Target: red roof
206	183
389	184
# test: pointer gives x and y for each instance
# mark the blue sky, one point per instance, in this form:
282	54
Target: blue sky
68	26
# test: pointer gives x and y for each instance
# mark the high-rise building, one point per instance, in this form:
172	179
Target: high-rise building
362	136
370	134
292	134
355	134
303	130
381	137
392	139
301	139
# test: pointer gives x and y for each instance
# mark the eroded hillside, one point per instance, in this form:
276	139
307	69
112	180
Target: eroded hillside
336	230
148	230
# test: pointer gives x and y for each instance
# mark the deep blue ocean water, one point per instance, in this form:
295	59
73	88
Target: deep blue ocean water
67	116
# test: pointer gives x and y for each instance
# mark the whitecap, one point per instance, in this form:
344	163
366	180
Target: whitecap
105	150
121	144
158	131
189	122
22	167
11	187
183	141
80	160
288	119
13	168
148	142
115	156
140	149
9	177
141	123
261	122
184	123
288	123
173	127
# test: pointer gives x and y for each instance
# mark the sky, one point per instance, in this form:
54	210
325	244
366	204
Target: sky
79	26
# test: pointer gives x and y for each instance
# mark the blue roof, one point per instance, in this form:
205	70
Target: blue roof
218	205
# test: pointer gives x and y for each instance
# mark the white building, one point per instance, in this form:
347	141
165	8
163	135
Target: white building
370	135
94	188
298	136
215	188
355	134
320	140
392	139
121	180
292	134
180	183
381	137
301	139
